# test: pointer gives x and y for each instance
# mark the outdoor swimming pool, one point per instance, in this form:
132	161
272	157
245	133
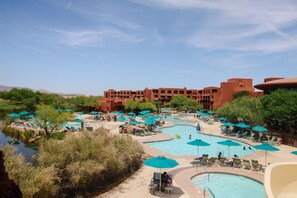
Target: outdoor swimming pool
230	186
179	146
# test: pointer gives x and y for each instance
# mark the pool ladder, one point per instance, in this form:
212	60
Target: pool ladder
207	189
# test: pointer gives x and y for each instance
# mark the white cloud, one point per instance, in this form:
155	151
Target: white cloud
239	25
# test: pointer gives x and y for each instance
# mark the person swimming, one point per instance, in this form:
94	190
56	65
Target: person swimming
190	137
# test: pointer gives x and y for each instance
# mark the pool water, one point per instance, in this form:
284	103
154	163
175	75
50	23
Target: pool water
230	186
179	146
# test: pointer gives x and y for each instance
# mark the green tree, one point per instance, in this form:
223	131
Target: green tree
132	105
247	108
280	108
181	102
85	102
49	119
240	94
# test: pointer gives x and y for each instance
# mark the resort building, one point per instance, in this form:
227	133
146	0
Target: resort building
272	84
210	97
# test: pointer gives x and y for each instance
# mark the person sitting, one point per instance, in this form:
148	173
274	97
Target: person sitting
219	155
165	180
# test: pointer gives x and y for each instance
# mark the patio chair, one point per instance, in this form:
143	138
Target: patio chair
237	163
246	164
277	142
273	140
212	161
156	179
222	161
256	166
204	159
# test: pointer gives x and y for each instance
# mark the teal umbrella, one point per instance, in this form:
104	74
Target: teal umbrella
30	116
93	112
13	115
116	113
210	112
260	129
68	110
266	147
294	152
228	124
242	125
160	162
135	123
78	120
23	113
198	143
221	118
59	110
122	119
131	117
229	143
149	121
131	113
80	113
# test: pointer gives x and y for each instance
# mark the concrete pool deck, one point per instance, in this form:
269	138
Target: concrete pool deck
137	184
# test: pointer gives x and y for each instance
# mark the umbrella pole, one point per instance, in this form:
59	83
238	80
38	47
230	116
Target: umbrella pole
160	179
265	158
228	153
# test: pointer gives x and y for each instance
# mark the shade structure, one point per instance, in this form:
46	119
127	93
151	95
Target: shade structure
122	119
198	143
160	162
229	143
149	121
198	128
23	113
242	125
260	129
294	152
266	147
78	120
31	116
228	124
93	112
221	118
13	115
135	122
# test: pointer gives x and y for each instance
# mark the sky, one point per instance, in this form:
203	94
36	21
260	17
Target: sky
88	46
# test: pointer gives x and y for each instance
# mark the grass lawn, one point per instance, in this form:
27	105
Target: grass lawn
6	105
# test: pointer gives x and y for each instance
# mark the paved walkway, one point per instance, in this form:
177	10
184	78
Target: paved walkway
137	184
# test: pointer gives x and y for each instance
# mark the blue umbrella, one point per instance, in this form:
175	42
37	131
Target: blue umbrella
259	128
221	118
23	113
78	120
228	143
228	124
131	117
122	119
198	128
266	147
160	162
242	125
149	121
13	115
135	122
198	143
93	112
294	152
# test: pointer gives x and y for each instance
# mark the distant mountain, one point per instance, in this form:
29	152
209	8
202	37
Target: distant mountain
8	88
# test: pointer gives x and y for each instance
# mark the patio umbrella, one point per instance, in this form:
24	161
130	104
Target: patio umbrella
135	122
131	117
260	129
59	110
149	121
23	113
242	125
80	121
13	115
80	113
68	110
131	113
229	143
294	152
210	112
229	124
198	143
160	162
93	112
122	119
31	116
221	118
266	147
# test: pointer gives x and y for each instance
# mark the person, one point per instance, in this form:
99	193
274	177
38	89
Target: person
244	148
250	148
165	179
190	136
220	155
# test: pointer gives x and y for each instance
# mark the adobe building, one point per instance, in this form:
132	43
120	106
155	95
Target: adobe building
272	84
210	97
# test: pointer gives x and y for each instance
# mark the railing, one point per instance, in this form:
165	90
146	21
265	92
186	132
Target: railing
207	189
199	163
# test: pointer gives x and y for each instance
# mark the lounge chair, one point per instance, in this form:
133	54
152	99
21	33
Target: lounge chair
277	142
244	134
237	163
222	161
204	159
256	166
273	140
156	179
246	164
212	161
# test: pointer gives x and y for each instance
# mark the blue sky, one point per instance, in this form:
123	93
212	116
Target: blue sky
88	46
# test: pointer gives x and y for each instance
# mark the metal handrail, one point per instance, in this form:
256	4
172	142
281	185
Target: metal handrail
204	170
209	190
